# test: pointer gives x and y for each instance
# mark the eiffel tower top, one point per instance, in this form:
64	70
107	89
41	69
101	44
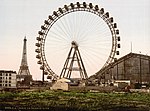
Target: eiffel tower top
24	70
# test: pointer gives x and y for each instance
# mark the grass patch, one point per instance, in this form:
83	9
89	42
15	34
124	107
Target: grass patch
78	101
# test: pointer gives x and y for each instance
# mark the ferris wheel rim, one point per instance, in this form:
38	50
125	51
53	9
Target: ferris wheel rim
64	11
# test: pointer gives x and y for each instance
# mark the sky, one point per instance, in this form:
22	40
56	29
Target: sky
20	18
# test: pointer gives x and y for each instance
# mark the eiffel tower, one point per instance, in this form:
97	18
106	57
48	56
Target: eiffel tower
24	73
74	63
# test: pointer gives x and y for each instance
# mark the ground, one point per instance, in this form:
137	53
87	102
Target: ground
74	101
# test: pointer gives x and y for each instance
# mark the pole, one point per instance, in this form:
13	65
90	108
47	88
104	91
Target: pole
131	47
149	70
43	74
117	70
140	70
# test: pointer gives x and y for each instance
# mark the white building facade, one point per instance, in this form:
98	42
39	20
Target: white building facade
8	79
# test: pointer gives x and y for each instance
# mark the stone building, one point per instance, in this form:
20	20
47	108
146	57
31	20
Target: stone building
133	67
7	79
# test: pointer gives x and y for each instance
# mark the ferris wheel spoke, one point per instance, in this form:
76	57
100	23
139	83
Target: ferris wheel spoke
94	53
83	31
65	28
90	61
80	24
68	26
94	44
92	37
57	36
60	33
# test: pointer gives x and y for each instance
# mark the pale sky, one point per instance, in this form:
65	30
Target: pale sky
20	18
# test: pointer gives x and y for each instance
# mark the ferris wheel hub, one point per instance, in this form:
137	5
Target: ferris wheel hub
74	44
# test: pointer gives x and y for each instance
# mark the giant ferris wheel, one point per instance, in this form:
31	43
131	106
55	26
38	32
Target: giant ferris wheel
78	38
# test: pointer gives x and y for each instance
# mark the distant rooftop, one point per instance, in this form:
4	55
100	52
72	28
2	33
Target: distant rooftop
7	71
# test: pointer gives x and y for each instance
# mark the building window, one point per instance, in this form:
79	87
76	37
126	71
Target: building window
9	77
0	74
0	84
9	81
10	85
6	74
0	77
9	74
5	84
5	81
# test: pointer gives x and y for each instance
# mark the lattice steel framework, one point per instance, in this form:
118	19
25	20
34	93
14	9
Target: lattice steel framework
74	57
24	70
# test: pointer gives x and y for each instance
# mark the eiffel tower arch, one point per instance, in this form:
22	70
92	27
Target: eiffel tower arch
24	77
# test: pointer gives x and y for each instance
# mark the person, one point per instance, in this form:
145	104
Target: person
127	88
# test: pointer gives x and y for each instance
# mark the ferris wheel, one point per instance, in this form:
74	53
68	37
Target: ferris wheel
78	37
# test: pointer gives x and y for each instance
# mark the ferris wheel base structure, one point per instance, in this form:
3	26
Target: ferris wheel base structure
75	61
74	56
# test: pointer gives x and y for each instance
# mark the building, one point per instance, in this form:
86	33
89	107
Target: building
133	67
8	79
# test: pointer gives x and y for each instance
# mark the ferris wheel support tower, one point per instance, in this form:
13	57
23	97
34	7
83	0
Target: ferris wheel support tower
69	66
